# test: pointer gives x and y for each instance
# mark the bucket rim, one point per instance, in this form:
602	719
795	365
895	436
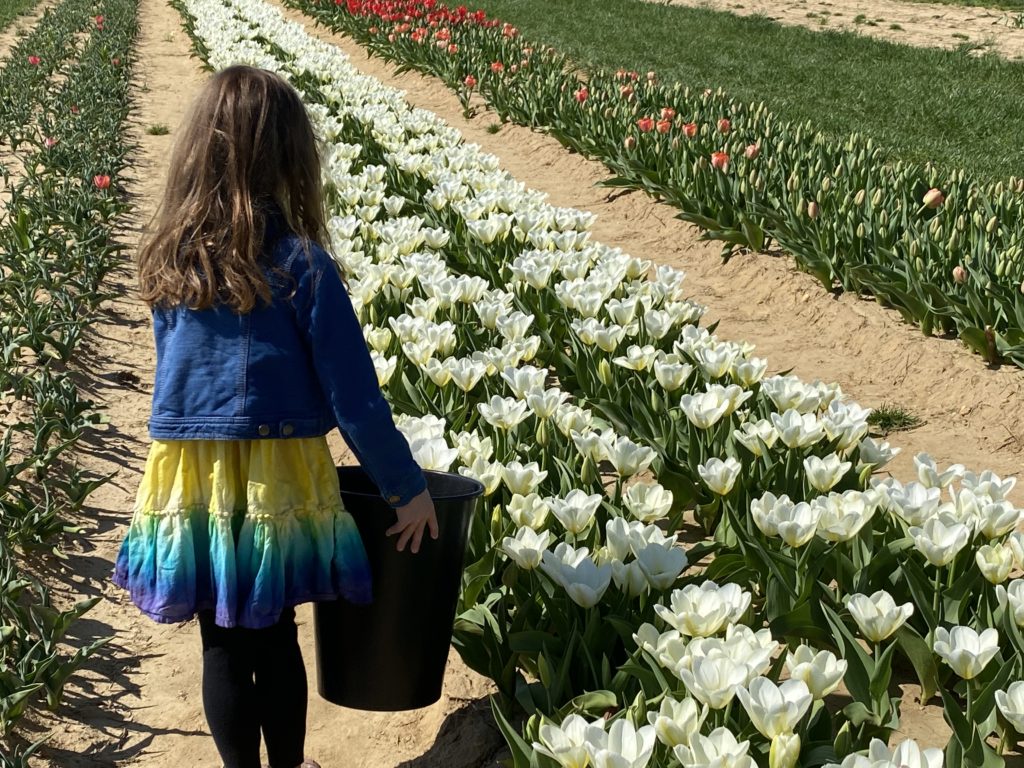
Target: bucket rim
474	488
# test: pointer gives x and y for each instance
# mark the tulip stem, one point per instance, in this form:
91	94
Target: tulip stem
936	605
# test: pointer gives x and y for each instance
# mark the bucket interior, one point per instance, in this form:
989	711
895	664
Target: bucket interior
442	486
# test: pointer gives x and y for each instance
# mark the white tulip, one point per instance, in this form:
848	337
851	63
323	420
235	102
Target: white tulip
527	547
878	616
797	430
706	409
720	476
647	502
775	709
629	578
434	454
577	511
719	749
503	412
437	372
907	754
789	393
567	744
628	458
753	433
795	524
929	475
940	540
623	746
989	484
671	374
676	722
876	453
914	502
384	367
528	511
716	360
713	680
523	478
524	380
824	473
965	651
545	404
1012	596
1011	704
661	564
466	374
995	561
472	446
997	518
784	751
844	515
489	474
820	670
749	372
637	358
705	610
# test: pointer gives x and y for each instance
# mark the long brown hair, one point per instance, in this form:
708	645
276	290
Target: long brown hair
248	144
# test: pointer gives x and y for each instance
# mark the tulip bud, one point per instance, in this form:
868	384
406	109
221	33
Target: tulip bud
990	227
961	222
876	199
915	250
609	113
861	231
785	751
933	198
630	142
604	373
542	432
826	184
812	210
589	472
959	275
858	199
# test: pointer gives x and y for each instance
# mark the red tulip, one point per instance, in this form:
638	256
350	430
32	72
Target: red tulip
724	125
453	48
664	126
49	142
667	113
35	61
719	160
645	124
101	182
99	22
690	130
116	61
374	30
74	109
470	81
933	198
620	74
752	151
582	94
497	66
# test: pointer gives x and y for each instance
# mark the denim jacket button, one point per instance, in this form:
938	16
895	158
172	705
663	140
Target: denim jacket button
264	430
394	499
287	429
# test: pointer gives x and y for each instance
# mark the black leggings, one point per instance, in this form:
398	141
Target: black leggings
254	679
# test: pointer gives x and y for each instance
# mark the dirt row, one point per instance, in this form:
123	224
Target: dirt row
933	25
139	704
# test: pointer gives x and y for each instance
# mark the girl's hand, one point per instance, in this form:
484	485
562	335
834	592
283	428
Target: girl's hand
413	519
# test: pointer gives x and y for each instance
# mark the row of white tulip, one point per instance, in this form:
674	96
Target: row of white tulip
398	263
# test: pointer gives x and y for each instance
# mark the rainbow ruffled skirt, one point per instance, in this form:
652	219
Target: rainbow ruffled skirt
243	527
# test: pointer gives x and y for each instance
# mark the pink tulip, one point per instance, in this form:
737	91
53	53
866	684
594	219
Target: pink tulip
724	126
720	160
959	275
752	151
645	124
933	198
582	94
690	130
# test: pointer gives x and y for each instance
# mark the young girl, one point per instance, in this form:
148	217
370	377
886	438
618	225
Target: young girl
259	356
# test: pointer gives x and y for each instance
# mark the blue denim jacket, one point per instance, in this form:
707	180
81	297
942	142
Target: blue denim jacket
296	368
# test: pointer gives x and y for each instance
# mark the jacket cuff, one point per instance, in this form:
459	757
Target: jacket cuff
401	495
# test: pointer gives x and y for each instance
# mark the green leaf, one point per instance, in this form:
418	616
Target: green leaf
916	650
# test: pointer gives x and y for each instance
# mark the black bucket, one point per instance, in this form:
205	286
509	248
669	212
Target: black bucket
391	655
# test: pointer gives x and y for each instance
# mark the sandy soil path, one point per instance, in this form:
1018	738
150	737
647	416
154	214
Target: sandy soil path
10	35
139	702
922	24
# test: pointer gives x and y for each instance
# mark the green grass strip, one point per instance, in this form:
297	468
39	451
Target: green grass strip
926	104
12	9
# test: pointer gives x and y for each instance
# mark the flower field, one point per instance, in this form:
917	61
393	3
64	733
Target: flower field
63	103
679	560
942	248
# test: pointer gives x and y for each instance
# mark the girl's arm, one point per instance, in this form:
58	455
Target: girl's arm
349	380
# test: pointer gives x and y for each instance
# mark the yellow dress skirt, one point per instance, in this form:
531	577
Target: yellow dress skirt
243	527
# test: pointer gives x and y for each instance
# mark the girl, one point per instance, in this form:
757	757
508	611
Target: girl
259	354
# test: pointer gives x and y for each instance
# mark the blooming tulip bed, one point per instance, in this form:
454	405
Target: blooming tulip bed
576	383
945	250
63	103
